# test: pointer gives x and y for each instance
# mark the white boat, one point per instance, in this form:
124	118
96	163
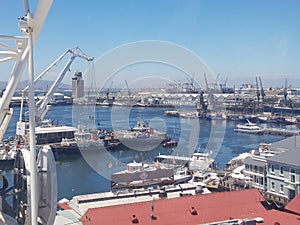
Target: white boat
210	179
197	162
182	176
249	127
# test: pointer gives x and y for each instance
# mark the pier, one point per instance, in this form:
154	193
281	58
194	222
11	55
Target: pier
280	131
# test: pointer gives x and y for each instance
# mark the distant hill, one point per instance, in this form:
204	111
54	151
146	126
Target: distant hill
40	85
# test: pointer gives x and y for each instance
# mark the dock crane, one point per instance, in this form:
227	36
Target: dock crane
206	83
42	104
257	91
285	94
108	91
129	93
262	91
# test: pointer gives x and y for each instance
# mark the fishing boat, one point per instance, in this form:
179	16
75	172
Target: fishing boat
250	128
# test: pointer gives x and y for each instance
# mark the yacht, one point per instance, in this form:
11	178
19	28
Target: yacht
249	127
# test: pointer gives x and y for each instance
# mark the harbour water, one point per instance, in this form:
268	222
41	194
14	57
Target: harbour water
89	173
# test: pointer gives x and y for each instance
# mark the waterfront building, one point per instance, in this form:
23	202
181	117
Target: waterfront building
236	207
283	172
256	164
255	168
77	86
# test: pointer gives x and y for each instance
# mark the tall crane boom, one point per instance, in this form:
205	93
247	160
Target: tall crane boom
41	105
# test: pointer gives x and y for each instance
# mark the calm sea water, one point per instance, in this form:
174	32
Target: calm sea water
90	172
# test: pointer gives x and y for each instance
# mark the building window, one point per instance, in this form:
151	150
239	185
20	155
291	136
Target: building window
261	182
281	187
272	168
292	178
293	171
281	170
272	186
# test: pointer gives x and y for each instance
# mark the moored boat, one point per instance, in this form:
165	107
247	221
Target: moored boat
249	127
141	137
170	144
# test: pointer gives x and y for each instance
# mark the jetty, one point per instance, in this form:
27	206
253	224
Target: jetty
281	131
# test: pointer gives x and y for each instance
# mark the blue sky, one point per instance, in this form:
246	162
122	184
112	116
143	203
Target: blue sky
236	39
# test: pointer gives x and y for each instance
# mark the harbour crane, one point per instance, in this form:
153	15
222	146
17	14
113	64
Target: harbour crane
257	91
129	93
285	94
206	83
42	104
108	91
262	91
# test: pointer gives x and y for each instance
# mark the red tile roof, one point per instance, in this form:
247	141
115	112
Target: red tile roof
294	205
210	208
64	205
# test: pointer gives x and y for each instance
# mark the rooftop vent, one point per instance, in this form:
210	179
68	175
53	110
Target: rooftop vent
134	219
193	211
153	217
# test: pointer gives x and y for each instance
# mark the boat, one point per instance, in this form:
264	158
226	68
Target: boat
89	139
210	179
216	116
140	174
197	162
291	120
182	175
141	137
249	127
170	144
